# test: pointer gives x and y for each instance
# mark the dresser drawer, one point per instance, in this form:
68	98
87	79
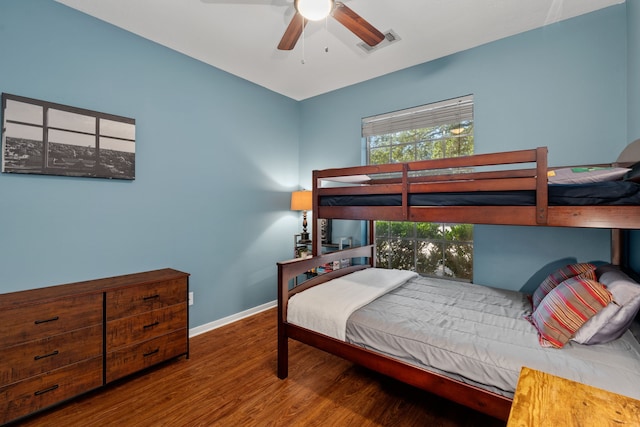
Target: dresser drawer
145	326
36	357
32	322
131	359
128	301
39	392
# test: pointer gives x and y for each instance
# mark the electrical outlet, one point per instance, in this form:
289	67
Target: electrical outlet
190	298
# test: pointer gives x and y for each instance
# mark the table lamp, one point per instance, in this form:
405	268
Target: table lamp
302	201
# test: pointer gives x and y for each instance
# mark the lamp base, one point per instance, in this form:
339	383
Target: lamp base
304	238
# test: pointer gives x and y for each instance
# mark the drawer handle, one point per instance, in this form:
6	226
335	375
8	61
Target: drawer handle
156	323
151	297
151	352
53	353
37	322
46	390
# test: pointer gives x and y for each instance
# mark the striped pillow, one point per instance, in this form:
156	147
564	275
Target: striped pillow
566	308
585	270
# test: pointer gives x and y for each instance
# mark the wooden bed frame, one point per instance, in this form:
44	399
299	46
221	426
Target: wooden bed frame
405	179
484	401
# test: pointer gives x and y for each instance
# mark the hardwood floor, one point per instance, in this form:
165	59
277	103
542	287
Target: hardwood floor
230	380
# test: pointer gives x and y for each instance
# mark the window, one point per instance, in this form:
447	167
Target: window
439	130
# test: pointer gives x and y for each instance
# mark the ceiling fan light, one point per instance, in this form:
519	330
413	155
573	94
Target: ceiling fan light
314	10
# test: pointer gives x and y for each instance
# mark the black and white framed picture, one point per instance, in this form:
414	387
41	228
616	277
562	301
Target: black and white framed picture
40	137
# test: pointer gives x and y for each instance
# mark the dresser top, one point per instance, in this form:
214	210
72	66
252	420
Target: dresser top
545	399
19	298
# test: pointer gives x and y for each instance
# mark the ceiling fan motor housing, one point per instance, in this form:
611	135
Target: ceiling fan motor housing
314	10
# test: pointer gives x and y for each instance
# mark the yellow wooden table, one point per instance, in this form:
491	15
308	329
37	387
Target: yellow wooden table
543	399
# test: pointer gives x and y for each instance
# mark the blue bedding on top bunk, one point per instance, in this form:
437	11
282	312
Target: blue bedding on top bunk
600	193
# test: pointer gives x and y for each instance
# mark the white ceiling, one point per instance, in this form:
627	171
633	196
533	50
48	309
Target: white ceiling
240	36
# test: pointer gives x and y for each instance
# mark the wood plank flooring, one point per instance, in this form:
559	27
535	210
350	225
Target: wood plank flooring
230	380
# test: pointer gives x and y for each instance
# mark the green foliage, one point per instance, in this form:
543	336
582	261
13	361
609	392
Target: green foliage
422	144
440	250
427	248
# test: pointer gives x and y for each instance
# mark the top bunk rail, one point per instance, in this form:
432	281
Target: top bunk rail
456	174
482	175
537	155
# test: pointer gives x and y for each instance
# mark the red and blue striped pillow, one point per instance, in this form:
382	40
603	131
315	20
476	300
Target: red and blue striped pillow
566	308
585	270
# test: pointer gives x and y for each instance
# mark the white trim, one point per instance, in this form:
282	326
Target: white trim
230	319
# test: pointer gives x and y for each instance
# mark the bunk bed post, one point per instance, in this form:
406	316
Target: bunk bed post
315	240
618	253
283	340
405	190
372	241
542	190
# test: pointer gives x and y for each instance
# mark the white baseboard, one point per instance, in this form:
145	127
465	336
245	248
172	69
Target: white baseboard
230	319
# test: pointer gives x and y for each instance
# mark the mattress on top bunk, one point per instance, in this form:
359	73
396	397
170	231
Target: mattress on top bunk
589	194
478	335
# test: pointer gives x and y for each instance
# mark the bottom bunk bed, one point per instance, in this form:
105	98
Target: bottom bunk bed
462	341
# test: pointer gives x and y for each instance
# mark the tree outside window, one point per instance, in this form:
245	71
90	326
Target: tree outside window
432	249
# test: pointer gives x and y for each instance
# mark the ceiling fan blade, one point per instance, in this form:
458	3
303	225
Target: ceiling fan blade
293	32
357	24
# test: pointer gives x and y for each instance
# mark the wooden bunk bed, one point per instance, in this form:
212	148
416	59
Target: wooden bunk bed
402	181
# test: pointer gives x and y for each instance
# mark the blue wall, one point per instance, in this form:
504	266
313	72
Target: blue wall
633	97
217	156
216	159
562	86
633	73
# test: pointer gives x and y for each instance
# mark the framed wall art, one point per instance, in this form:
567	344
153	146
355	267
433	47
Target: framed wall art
40	137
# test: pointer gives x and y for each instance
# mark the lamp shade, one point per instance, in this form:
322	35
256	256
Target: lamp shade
301	201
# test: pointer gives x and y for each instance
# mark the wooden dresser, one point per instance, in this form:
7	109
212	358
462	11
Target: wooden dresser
62	341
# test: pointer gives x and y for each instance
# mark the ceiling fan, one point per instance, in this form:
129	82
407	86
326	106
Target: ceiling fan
319	9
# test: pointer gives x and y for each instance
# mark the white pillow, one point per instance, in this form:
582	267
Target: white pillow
613	321
583	175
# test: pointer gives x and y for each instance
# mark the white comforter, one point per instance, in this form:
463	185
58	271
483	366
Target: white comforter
326	308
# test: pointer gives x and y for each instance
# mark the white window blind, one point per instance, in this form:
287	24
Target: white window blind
451	111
